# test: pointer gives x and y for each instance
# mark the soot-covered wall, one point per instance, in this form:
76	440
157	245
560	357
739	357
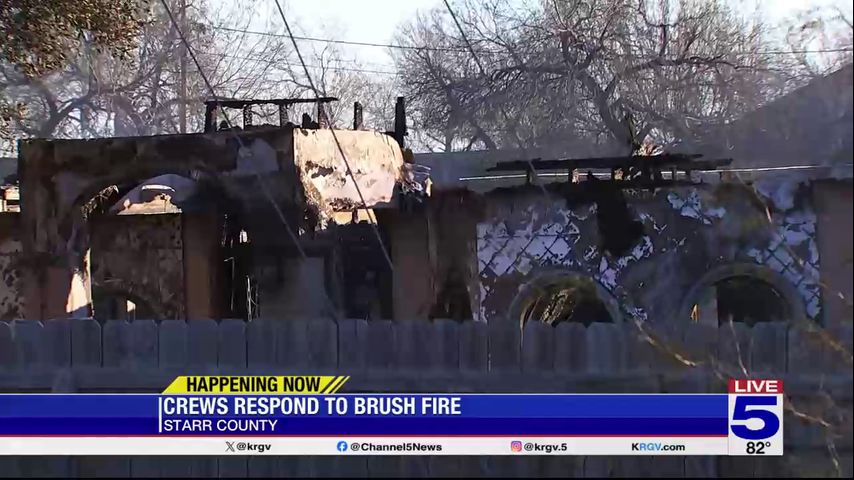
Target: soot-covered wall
692	237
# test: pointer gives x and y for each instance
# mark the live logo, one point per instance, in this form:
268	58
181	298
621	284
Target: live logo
755	386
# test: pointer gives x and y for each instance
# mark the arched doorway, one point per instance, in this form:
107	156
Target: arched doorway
564	296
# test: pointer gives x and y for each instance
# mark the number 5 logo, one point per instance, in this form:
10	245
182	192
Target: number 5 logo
741	413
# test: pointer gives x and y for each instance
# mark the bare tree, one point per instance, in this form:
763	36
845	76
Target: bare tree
821	40
98	94
575	74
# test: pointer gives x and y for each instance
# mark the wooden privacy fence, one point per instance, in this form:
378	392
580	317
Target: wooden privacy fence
142	355
440	356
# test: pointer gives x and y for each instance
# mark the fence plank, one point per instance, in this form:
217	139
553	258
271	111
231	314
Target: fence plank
734	347
563	467
538	347
632	467
605	348
203	467
418	344
818	463
57	341
260	344
473	347
570	347
667	467
173	344
232	347
9	467
415	466
474	466
45	467
341	466
233	467
805	350
176	467
701	467
385	466
654	346
117	339
444	467
202	343
381	345
672	355
294	466
322	343
449	343
262	467
29	342
85	342
351	351
771	467
738	467
144	349
504	345
769	347
145	467
596	466
102	467
700	341
291	344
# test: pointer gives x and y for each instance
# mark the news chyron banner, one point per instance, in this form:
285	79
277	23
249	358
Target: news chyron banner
309	415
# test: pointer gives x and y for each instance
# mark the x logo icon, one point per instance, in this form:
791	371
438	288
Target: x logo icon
229	446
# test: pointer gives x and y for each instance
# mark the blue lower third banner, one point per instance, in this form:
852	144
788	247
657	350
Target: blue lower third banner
355	424
475	415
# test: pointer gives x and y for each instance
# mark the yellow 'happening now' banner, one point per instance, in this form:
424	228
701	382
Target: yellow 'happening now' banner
309	385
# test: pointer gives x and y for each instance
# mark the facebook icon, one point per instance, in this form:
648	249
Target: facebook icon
342	446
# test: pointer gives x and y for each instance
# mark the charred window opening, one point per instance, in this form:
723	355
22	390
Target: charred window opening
744	299
240	292
568	300
367	281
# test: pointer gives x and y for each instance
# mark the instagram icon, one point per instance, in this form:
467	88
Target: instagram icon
516	446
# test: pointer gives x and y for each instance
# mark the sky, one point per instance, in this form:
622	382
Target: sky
377	20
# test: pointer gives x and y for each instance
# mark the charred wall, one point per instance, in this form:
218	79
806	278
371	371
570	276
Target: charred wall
11	283
139	257
691	236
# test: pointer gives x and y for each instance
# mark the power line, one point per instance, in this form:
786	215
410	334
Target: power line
341	42
337	143
849	48
287	63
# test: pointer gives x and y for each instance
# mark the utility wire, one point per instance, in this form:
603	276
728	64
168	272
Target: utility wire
341	42
242	145
337	143
849	48
287	63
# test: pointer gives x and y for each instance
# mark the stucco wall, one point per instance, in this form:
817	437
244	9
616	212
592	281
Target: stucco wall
689	235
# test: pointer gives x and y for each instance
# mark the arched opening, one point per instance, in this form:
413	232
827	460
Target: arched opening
557	298
179	243
742	293
742	299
